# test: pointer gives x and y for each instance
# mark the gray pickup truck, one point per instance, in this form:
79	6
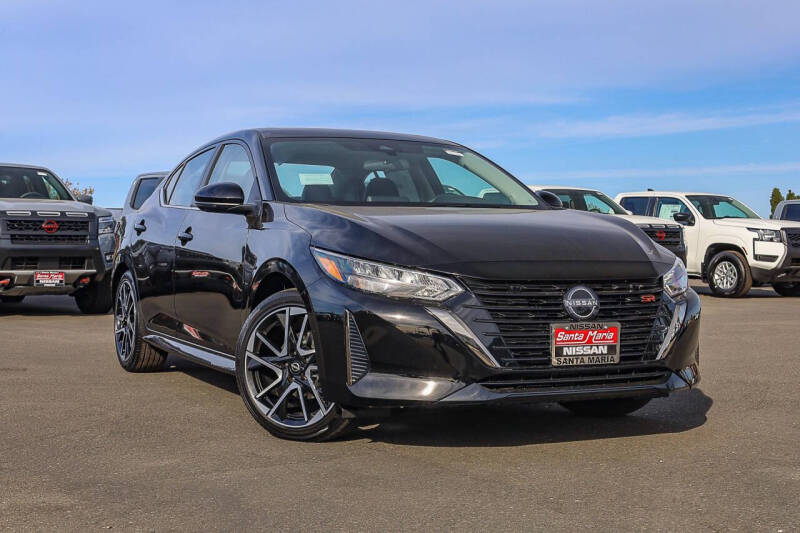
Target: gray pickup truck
52	242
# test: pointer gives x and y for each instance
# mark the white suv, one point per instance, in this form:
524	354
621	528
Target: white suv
729	245
667	234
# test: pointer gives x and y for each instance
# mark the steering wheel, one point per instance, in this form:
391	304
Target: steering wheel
32	194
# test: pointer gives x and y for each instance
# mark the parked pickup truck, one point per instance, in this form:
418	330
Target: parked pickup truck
729	245
52	242
668	234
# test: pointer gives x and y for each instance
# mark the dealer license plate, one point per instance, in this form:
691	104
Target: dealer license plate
585	343
48	279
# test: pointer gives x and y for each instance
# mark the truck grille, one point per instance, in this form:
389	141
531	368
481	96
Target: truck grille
515	317
31	231
48	263
793	236
663	234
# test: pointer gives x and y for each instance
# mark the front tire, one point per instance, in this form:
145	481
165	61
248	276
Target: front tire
606	408
729	275
787	289
277	372
133	353
95	299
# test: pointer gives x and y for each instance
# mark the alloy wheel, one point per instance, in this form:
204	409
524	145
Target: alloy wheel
725	275
281	372
125	320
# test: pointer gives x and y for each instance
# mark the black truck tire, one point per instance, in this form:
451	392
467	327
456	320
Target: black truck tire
95	299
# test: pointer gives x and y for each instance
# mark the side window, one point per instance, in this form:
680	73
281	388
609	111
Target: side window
667	207
171	181
233	166
791	212
143	191
190	179
566	199
595	205
636	204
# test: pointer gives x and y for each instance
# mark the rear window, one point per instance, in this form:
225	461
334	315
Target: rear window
791	212
636	204
144	191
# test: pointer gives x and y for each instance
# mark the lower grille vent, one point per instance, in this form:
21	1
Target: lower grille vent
357	358
584	378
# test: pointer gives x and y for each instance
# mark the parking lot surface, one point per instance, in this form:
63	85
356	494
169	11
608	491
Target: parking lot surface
86	446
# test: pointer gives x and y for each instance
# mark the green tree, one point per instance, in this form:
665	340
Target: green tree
791	195
775	199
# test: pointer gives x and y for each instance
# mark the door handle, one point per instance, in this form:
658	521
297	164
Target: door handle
186	236
140	227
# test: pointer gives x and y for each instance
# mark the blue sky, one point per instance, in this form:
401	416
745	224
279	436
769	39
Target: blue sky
614	95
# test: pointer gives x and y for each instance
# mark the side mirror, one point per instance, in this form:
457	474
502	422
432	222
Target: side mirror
684	218
551	199
85	198
223	198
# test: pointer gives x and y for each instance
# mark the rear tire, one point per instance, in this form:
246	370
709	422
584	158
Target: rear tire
95	299
729	275
11	299
133	353
277	372
787	289
606	408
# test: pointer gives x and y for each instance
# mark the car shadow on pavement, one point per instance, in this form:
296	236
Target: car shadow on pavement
41	306
755	292
207	375
535	424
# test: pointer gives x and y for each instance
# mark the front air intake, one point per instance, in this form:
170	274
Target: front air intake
357	358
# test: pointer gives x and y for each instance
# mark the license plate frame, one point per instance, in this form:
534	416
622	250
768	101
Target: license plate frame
48	278
580	347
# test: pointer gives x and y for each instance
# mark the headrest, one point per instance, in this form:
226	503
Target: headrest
316	193
382	187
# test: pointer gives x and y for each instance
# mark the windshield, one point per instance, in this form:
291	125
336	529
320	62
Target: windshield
592	201
382	172
714	207
791	212
31	183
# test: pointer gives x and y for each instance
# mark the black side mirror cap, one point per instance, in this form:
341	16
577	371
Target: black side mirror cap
684	218
85	198
222	198
551	199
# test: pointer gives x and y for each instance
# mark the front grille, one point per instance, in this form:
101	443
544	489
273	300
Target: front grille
357	357
71	263
31	231
664	235
578	378
793	236
515	317
24	263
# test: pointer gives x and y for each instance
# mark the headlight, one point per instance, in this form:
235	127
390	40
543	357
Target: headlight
105	225
767	235
676	281
386	280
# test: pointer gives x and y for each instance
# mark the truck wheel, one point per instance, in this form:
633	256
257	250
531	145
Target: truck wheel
11	299
606	408
95	299
133	353
787	289
729	275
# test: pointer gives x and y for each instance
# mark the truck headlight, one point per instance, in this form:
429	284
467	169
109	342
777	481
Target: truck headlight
767	235
387	280
676	281
105	225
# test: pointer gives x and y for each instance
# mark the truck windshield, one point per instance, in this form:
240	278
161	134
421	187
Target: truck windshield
32	183
585	200
714	207
387	172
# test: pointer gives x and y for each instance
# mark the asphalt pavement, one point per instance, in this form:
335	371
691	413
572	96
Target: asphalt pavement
86	446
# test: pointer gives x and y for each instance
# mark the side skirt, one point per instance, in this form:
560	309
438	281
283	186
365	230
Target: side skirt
215	360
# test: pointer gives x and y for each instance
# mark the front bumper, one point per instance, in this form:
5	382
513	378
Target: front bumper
415	360
775	263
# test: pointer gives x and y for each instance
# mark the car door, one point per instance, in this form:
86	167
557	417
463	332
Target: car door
209	271
666	207
153	252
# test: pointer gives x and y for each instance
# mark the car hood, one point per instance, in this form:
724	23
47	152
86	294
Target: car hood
757	223
487	243
639	219
22	204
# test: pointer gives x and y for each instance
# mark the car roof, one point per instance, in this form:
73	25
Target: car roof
789	202
680	193
266	133
159	174
561	187
33	167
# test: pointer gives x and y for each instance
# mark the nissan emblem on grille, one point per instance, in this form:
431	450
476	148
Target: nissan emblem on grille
50	226
581	303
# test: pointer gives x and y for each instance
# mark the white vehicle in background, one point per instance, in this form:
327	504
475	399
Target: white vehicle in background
787	210
729	245
667	234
